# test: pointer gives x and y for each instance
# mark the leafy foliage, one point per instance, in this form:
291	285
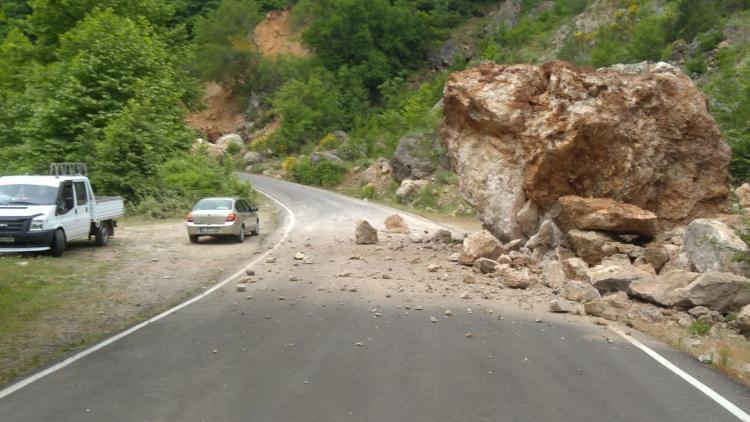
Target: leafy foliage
101	82
224	51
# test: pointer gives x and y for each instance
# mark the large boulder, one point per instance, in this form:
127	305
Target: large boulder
712	246
721	292
481	244
605	215
525	133
417	156
661	289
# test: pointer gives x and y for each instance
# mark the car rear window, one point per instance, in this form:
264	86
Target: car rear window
213	204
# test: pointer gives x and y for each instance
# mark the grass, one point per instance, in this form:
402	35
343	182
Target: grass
33	290
699	328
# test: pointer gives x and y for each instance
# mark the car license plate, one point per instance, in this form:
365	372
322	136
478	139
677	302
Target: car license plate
7	240
208	229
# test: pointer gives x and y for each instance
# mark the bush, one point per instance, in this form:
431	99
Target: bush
699	328
427	198
368	192
324	173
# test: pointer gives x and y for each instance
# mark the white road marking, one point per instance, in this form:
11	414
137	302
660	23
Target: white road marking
703	388
52	369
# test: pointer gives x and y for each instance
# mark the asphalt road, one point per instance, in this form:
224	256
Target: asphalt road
228	358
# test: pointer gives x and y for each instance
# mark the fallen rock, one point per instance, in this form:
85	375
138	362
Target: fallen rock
485	265
615	278
513	245
562	306
580	291
548	236
589	245
661	289
379	174
651	313
442	236
611	307
604	214
575	268
481	244
712	246
433	268
299	256
521	132
365	234
454	257
553	275
743	319
396	224
656	257
706	315
722	292
409	188
516	278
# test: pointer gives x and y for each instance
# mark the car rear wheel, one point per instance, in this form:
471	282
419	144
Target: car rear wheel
257	228
193	238
241	236
102	234
58	243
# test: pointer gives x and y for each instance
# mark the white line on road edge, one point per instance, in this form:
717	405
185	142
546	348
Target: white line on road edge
24	383
726	404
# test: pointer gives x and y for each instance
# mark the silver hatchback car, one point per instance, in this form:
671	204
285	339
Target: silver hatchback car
222	217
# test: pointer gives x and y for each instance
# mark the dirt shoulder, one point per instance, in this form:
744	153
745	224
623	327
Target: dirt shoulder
52	306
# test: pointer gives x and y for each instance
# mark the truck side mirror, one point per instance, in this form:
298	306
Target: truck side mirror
69	204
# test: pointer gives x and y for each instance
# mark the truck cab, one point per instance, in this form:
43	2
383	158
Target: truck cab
44	213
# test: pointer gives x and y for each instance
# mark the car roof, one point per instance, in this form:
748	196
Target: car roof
227	198
39	180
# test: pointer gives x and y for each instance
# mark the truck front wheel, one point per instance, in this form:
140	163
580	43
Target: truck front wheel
58	243
102	234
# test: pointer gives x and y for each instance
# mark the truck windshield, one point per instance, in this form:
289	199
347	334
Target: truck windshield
27	195
213	204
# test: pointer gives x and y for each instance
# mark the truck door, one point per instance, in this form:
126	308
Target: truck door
82	214
65	213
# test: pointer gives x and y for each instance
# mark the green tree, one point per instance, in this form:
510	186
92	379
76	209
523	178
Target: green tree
52	18
224	51
378	38
308	110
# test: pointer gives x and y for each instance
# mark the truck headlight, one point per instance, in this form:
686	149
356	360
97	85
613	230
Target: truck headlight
37	224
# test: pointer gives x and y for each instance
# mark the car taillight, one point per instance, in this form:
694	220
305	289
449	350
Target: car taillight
190	217
231	217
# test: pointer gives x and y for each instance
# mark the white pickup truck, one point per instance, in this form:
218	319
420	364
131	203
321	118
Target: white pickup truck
44	213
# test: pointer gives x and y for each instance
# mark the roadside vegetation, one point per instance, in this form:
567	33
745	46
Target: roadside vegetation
28	297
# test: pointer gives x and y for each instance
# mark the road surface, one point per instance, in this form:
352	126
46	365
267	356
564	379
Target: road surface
296	352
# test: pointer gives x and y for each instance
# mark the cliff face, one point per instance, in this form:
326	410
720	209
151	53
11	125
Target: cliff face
522	136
